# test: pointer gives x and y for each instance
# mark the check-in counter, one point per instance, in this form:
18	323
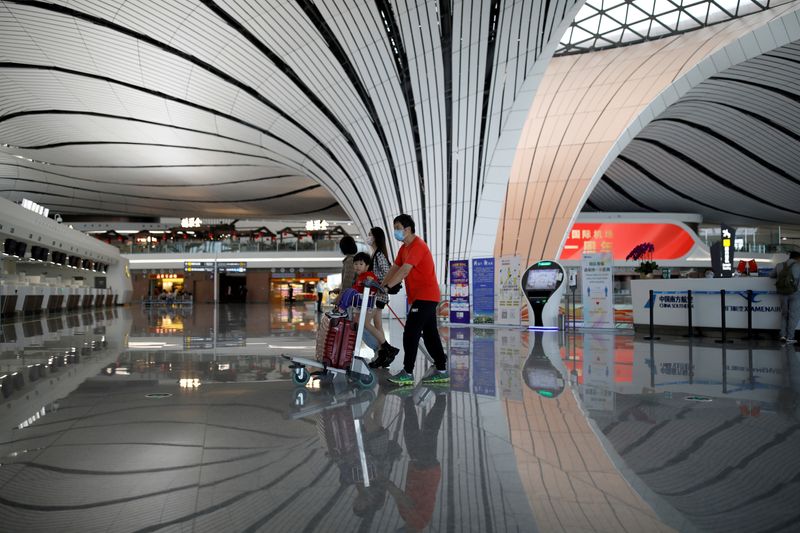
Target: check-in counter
671	302
73	300
29	299
55	302
8	303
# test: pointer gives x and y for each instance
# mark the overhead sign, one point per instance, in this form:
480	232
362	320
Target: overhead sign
618	238
191	222
726	250
191	266
232	267
316	225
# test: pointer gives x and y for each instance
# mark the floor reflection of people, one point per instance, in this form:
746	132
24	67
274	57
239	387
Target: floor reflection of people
789	396
381	450
417	502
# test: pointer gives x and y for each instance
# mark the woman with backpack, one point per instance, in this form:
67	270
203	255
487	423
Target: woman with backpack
786	285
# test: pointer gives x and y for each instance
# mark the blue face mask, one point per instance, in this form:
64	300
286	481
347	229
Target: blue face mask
398	234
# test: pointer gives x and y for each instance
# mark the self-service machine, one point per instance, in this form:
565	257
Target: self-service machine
543	285
544	370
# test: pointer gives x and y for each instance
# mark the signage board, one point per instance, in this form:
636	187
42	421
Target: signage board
459	291
483	367
597	271
671	241
508	296
459	360
231	267
483	290
726	249
195	266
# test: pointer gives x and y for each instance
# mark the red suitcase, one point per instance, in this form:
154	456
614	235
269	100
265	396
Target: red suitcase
340	343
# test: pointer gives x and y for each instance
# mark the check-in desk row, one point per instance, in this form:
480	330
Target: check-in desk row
13	381
29	299
50	330
36	348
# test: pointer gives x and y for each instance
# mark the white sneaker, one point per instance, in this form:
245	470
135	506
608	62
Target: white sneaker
790	341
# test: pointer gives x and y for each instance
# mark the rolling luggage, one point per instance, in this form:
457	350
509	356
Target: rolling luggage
336	340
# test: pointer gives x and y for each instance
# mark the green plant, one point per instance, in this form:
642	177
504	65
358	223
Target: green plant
643	251
646	267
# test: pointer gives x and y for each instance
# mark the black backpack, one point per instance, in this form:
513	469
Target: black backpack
786	284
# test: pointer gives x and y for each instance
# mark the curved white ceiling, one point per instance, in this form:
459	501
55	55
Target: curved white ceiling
237	108
729	149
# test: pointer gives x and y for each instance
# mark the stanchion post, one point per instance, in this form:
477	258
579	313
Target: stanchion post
689	308
652	336
722	321
749	314
574	312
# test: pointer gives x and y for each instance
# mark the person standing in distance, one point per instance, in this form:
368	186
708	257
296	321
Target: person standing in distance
414	264
787	285
321	286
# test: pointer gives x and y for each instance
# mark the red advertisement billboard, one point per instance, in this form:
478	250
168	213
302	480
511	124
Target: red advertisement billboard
671	241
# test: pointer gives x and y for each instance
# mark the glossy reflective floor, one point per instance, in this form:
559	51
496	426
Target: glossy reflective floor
536	432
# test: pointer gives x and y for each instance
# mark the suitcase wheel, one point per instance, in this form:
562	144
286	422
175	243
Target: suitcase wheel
300	375
366	381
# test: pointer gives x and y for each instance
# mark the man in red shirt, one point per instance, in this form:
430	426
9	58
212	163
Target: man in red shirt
414	263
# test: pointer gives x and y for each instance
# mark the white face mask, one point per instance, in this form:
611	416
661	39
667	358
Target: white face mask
370	240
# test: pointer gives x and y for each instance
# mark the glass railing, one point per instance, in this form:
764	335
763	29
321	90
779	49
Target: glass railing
215	247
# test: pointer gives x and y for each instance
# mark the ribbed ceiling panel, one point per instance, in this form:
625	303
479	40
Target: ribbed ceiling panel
389	106
729	149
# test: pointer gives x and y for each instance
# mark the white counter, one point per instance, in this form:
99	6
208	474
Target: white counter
671	302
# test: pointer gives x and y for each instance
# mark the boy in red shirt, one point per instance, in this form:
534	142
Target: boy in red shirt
360	265
414	263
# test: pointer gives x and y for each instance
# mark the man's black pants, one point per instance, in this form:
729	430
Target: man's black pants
422	323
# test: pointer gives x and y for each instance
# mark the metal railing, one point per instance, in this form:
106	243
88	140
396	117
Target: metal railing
190	246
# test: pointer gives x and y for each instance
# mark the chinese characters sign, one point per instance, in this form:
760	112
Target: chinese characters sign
316	225
598	290
459	291
508	295
670	241
483	290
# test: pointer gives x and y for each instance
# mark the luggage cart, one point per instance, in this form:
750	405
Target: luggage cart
358	371
344	436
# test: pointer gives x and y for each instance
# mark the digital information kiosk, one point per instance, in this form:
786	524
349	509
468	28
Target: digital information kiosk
543	285
544	370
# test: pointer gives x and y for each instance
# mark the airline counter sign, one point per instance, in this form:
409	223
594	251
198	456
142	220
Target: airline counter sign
727	251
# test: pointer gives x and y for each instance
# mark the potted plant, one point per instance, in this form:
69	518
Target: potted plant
643	252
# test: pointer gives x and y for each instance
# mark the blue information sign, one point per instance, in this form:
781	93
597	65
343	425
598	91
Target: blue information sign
483	290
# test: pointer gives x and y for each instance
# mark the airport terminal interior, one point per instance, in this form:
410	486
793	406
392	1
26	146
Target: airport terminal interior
610	194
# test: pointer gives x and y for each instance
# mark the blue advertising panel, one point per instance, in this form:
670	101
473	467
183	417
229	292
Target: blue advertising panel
483	290
459	359
483	374
459	291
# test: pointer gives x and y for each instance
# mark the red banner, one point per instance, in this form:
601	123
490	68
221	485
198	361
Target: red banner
670	241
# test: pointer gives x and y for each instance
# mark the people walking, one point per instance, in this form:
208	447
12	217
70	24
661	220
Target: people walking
787	284
414	264
320	288
379	264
